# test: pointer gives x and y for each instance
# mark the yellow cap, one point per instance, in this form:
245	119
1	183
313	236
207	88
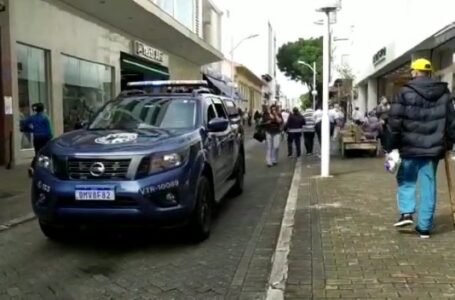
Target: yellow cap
421	64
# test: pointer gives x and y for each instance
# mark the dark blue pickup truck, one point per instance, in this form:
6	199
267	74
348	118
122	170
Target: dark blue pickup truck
147	158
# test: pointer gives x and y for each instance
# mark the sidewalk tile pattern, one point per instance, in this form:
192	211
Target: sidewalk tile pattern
345	246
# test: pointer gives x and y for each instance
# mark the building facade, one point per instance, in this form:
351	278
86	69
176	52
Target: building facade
73	56
382	50
250	87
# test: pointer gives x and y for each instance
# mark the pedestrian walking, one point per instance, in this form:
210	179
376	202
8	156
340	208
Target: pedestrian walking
332	120
422	128
382	112
318	123
250	118
371	127
40	126
357	116
309	130
257	117
293	128
272	123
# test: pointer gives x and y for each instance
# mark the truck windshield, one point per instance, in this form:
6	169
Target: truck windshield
146	113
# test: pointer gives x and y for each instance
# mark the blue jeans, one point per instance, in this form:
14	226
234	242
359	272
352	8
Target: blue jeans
408	173
273	147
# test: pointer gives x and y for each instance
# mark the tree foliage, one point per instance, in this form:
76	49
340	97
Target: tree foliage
306	101
308	50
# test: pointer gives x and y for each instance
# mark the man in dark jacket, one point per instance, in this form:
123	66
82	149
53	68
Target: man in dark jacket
294	130
422	128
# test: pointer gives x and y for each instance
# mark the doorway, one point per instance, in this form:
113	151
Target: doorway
137	69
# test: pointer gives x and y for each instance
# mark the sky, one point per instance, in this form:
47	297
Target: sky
294	19
369	25
290	19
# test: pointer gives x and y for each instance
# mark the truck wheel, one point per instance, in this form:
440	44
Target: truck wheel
201	218
239	176
52	232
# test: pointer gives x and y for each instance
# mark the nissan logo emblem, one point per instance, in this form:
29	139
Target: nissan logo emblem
97	169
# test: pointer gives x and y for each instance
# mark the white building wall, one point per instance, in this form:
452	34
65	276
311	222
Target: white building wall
70	32
400	24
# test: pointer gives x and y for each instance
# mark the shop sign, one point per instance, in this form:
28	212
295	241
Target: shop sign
151	53
379	56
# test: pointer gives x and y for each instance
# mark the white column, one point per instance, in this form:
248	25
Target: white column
372	94
325	128
362	98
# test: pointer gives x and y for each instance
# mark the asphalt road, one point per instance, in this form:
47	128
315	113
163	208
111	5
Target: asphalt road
234	263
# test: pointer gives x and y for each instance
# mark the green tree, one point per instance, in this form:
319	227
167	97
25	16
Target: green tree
307	50
306	101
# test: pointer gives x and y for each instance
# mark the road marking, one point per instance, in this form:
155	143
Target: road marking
242	268
279	274
17	221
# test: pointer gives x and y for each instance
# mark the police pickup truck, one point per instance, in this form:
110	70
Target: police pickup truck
163	154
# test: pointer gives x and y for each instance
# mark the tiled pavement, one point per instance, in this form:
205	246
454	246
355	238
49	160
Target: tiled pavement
234	263
14	193
344	245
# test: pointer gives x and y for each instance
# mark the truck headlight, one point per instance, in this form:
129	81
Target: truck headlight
162	162
45	162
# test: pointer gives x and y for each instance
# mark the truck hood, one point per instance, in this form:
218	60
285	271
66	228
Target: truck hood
120	141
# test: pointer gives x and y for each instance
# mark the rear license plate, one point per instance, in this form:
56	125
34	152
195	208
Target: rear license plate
95	193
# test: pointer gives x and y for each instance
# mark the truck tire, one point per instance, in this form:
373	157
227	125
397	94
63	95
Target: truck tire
201	219
239	177
52	232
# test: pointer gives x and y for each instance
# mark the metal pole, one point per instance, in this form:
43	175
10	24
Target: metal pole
232	68
325	130
314	86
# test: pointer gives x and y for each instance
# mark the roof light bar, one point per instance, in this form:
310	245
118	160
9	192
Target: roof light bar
168	83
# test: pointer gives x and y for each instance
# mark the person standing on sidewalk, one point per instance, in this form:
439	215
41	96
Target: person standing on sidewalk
422	128
357	116
309	130
40	126
272	124
257	117
318	123
294	130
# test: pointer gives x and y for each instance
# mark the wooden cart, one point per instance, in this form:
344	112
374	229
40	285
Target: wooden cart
353	139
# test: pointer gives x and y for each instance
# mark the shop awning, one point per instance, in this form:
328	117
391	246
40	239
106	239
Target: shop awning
223	88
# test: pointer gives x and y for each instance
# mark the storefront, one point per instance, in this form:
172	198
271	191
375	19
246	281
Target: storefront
146	63
389	72
74	63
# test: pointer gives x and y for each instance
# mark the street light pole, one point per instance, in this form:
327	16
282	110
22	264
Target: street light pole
232	58
314	91
325	128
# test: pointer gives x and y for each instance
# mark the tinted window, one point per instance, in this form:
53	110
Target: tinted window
146	113
219	107
231	108
211	114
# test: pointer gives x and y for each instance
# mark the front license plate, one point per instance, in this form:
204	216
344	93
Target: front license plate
95	193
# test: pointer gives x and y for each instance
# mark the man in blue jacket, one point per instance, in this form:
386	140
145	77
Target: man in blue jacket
422	128
39	125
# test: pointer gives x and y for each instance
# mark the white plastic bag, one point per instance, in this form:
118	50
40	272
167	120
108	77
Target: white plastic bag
392	161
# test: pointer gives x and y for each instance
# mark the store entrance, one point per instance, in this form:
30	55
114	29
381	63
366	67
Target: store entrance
137	69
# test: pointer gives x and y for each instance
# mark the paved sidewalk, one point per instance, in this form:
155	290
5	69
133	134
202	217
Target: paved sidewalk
344	244
14	193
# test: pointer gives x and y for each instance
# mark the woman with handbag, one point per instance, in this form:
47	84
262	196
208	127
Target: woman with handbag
272	125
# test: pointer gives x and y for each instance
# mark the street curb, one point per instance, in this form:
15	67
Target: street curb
279	273
17	221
